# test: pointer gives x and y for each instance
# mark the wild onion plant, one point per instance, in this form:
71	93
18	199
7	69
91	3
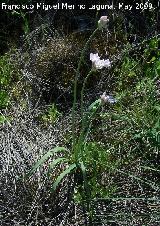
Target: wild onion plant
76	161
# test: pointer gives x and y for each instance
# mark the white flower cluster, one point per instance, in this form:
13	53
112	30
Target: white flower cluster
107	99
97	63
103	22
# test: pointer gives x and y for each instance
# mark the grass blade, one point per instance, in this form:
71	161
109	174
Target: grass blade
62	175
83	170
44	158
151	184
94	105
150	168
55	162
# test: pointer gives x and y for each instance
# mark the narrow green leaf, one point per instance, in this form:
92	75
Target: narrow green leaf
126	199
94	105
151	184
62	175
44	158
2	119
157	108
150	168
83	170
55	162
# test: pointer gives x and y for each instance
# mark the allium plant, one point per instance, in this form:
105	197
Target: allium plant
76	157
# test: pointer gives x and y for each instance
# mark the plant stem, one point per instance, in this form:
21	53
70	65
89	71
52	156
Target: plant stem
82	91
75	87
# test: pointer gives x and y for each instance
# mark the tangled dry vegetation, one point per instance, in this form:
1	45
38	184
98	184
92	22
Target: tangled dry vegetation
29	202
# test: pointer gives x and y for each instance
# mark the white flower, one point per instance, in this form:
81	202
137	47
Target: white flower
94	57
103	22
97	63
107	99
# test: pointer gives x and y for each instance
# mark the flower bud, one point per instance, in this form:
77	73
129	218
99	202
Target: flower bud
107	99
103	22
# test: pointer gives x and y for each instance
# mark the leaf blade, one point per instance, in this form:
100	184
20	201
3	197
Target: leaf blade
55	162
62	175
44	158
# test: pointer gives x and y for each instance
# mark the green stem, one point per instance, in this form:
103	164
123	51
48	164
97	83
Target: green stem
82	92
89	125
75	88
